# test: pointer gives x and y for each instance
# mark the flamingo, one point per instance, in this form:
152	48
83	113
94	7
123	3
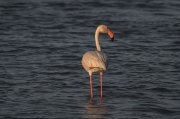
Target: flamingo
97	61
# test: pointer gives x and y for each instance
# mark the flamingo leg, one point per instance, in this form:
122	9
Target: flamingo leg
91	86
101	84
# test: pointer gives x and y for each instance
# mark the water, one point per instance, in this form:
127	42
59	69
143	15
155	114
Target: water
42	43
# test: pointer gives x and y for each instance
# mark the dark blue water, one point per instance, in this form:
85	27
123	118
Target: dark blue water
42	43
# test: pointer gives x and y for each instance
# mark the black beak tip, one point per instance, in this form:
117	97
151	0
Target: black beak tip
112	39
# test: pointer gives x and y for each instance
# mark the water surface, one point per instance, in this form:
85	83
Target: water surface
42	43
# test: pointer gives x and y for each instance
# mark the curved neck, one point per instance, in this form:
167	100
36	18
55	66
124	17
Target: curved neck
97	40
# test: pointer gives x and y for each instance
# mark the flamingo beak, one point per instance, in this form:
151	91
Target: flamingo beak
111	34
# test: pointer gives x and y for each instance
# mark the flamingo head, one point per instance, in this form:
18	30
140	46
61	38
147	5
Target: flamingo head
105	29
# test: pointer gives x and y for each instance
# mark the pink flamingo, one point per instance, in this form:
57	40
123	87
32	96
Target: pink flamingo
97	61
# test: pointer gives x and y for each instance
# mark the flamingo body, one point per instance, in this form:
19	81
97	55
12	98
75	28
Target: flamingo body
95	61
